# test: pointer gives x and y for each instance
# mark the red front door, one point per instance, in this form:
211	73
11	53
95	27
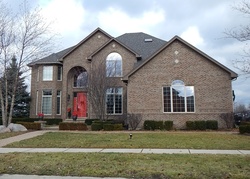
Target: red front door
80	104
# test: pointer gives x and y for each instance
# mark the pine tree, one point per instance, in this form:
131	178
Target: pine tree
21	106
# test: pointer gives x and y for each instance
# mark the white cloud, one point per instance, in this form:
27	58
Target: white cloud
67	16
115	21
192	36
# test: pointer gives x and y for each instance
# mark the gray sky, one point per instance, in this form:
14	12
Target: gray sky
199	22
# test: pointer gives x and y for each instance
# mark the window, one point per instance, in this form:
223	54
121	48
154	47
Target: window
58	102
59	73
114	65
47	73
178	97
47	102
81	80
114	101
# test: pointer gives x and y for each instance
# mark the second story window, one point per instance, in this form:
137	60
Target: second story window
59	73
47	73
114	65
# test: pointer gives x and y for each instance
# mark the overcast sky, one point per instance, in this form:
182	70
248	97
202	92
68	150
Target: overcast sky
199	22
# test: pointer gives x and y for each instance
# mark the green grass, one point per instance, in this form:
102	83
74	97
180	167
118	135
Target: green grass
10	134
167	140
127	165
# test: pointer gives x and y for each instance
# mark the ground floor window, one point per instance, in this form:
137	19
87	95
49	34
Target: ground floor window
58	102
114	101
47	102
178	97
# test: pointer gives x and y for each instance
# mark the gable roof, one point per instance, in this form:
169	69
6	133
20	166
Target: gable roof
113	40
232	73
143	44
84	40
51	59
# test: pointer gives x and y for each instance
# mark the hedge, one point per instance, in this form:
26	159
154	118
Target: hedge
118	127
72	126
90	121
149	125
202	125
212	124
30	125
168	125
153	125
108	127
244	127
96	126
190	125
105	125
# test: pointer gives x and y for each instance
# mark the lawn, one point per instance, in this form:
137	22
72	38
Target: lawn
10	134
167	140
127	165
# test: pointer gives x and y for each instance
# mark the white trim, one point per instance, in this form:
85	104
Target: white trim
51	102
171	96
48	79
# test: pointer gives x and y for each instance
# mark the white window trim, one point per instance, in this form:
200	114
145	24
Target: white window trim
115	76
114	114
51	102
172	102
37	93
48	79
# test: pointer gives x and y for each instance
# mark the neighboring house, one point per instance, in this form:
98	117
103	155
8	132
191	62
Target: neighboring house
158	79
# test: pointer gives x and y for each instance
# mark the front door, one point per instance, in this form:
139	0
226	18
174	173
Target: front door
80	104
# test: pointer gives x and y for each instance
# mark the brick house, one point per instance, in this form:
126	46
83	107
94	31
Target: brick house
161	80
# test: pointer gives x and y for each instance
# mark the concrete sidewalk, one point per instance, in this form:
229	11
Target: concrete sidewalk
28	135
6	176
138	151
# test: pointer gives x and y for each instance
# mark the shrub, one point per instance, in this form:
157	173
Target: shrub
168	125
190	125
30	125
108	127
51	121
149	125
118	127
159	125
133	120
212	124
244	127
96	126
72	126
200	125
90	121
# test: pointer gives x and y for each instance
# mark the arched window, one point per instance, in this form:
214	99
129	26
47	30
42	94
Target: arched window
114	65
178	97
80	79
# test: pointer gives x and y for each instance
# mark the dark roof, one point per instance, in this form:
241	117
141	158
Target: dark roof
143	44
232	73
53	58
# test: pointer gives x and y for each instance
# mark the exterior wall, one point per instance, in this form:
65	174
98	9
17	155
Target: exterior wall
212	86
37	84
128	62
79	58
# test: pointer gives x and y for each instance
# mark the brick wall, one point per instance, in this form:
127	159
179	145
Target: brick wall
212	86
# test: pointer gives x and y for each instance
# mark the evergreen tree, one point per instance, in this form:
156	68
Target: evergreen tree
21	106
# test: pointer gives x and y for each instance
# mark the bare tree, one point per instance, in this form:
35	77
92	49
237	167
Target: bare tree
25	35
242	34
99	82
